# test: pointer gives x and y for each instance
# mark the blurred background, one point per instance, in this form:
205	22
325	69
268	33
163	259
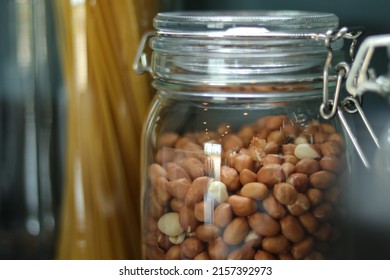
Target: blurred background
71	112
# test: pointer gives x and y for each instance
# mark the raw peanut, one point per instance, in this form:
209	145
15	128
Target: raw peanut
322	179
288	149
202	256
236	231
217	249
150	239
246	134
264	224
229	176
264	255
306	151
232	142
277	136
331	163
187	219
151	223
273	207
168	139
292	229
169	224
314	196
165	155
338	138
242	206
247	176
309	222
255	190
163	241
271	174
291	159
243	161
299	181
175	171
290	129
272	158
307	166
174	253
253	239
155	208
196	191
242	253
300	206
257	149
271	148
324	232
274	122
207	232
217	191
302	249
155	253
301	139
327	128
228	158
176	204
193	166
288	168
177	239
319	137
331	148
199	210
223	214
156	171
285	193
191	247
275	244
332	195
323	212
178	188
160	187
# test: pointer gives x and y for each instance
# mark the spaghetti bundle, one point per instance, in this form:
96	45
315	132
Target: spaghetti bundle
107	104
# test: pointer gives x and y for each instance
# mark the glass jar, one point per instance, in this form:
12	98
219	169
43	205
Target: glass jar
237	162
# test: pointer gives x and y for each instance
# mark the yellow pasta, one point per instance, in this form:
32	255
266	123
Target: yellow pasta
107	104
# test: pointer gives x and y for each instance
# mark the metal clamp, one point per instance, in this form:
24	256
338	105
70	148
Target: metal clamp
141	64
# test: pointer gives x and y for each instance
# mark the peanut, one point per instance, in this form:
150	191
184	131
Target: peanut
169	224
168	139
207	232
273	207
323	212
264	255
247	176
217	191
300	206
174	253
196	191
299	181
193	166
178	188
175	171
223	214
275	244
277	136
243	161
202	256
255	190
242	253
232	142
331	163
307	166
236	231
271	174
309	222
264	224
314	196
292	229
242	206
331	148
322	179
156	171
187	219
199	210
302	249
306	151
285	193
229	176
192	247
217	249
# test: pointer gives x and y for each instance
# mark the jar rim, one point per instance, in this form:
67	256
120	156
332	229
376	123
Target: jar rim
263	21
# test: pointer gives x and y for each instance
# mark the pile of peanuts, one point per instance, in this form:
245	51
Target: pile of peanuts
272	193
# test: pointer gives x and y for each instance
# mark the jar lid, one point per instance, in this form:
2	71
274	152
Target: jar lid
240	47
260	22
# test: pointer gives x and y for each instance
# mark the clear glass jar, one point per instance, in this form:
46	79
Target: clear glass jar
237	162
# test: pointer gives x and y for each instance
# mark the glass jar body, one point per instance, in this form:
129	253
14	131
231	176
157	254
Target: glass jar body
242	176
